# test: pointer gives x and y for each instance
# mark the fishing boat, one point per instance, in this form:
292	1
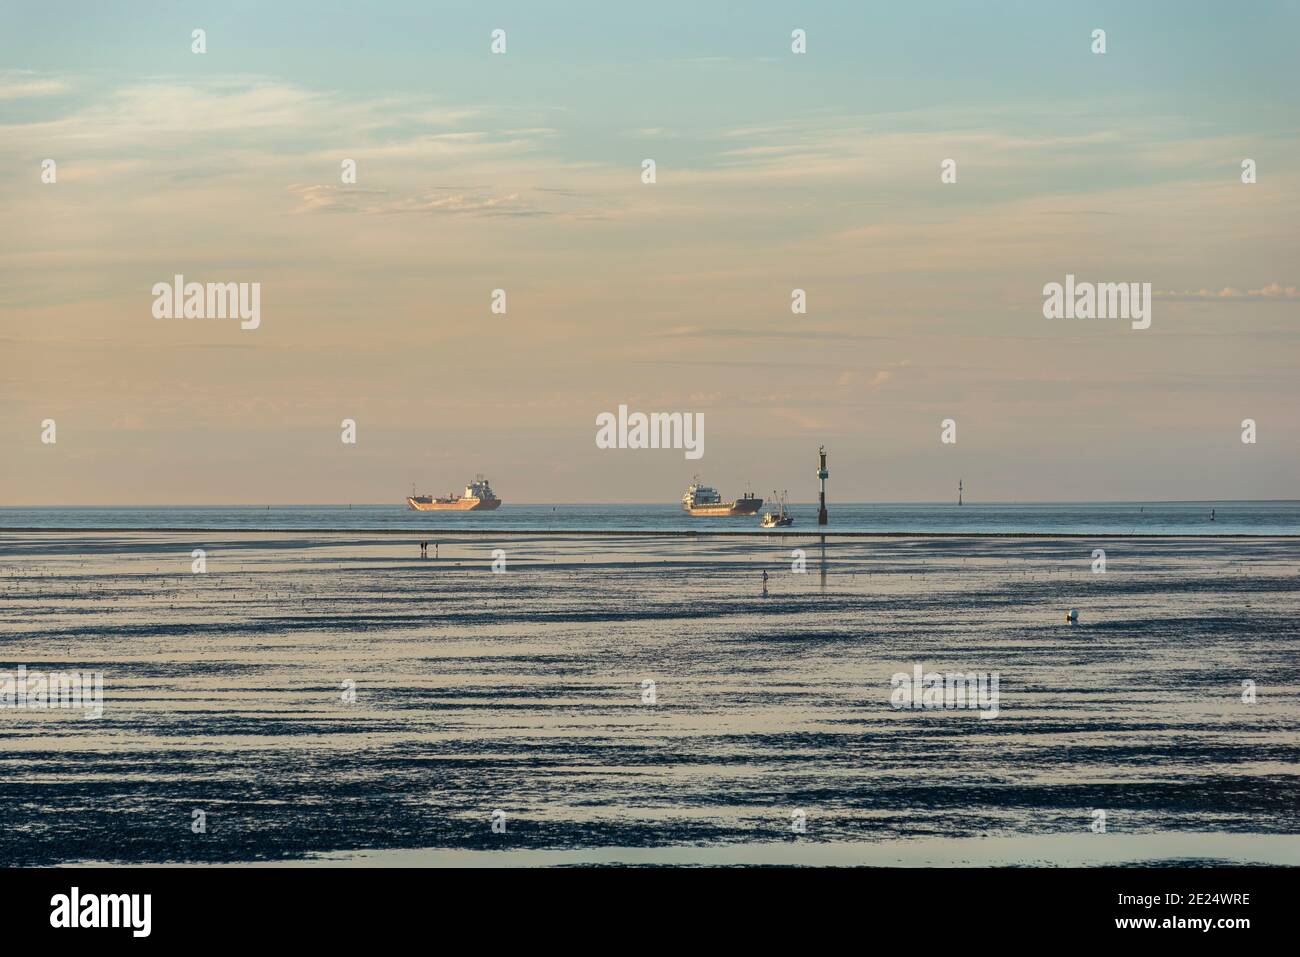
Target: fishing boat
780	518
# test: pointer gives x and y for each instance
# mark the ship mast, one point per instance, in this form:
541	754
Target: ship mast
823	475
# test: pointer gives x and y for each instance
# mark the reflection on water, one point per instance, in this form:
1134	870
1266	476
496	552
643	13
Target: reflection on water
823	564
522	692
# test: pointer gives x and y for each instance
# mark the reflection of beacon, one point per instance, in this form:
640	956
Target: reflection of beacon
823	475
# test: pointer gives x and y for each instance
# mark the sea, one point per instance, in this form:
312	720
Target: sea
1037	518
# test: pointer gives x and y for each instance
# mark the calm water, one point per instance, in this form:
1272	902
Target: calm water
1112	518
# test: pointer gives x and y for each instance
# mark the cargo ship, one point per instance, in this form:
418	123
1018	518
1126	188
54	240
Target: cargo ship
478	497
701	500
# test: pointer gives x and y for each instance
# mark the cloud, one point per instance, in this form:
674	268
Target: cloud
261	115
803	333
316	198
448	200
264	132
1271	293
167	111
13	87
459	202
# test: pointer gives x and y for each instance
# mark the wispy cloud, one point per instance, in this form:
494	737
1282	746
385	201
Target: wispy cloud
796	332
1273	292
448	200
27	85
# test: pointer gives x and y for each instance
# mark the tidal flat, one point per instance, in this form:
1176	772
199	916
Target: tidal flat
336	698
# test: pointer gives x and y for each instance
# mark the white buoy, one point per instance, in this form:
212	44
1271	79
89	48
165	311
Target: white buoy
1072	616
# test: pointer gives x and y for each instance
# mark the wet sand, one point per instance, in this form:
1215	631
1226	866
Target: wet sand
522	692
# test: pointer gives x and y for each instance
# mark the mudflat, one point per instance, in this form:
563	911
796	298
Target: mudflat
638	698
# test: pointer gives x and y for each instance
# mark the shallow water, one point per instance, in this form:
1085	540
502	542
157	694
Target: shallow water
522	692
1110	518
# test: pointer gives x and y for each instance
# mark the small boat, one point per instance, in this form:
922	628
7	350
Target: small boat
779	518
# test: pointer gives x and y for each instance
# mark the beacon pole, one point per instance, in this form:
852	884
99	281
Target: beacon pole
823	475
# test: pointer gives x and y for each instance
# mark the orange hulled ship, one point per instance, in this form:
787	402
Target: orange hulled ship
478	497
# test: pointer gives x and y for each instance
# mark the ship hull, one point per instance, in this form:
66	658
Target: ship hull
746	506
455	505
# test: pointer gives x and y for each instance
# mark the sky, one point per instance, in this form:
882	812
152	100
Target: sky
522	171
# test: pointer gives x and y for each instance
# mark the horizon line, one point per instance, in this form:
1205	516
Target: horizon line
813	502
